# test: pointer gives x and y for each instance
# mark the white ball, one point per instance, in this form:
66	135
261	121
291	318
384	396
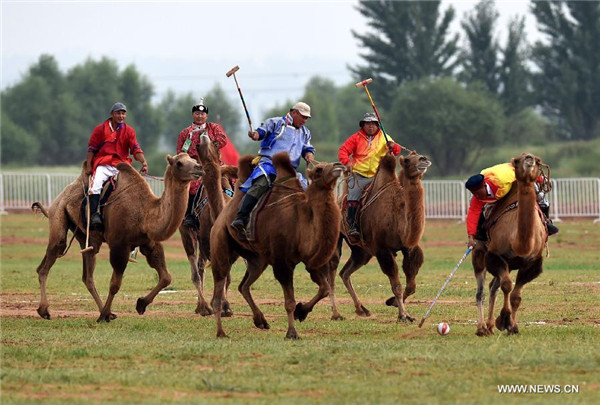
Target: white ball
443	328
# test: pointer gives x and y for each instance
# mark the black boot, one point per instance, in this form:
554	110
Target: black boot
241	219
353	232
552	229
96	219
190	218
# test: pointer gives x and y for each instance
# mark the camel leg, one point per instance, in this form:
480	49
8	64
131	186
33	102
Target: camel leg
332	270
253	272
223	258
358	258
390	268
284	273
155	256
524	276
89	265
319	276
479	270
499	268
494	286
57	242
190	245
411	263
119	257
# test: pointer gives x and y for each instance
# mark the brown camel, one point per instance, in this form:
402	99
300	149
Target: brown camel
392	218
517	239
133	216
295	226
216	190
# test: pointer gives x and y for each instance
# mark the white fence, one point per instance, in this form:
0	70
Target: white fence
572	197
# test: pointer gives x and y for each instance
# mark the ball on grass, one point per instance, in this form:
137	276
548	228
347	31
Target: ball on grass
443	328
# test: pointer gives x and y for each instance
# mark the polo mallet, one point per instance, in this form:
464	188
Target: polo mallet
444	286
364	84
87	229
232	72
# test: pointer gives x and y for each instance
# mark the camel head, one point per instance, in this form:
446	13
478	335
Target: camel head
527	167
414	165
208	150
183	168
325	175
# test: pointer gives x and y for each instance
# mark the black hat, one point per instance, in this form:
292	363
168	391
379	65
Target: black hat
474	182
200	107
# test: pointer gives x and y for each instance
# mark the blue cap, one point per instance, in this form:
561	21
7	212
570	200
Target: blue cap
118	107
474	182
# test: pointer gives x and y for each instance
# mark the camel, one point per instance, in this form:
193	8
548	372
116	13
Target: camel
196	242
295	226
392	219
133	216
517	239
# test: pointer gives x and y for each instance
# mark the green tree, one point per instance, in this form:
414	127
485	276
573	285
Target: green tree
222	110
568	82
480	59
18	145
410	40
446	121
515	76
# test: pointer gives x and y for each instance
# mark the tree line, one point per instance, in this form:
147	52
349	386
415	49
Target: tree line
450	95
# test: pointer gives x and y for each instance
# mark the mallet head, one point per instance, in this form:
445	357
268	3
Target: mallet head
364	82
232	71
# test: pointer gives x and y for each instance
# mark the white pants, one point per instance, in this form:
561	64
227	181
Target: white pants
101	174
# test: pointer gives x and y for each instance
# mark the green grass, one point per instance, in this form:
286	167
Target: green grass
171	355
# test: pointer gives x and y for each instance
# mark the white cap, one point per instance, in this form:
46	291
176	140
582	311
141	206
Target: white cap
302	108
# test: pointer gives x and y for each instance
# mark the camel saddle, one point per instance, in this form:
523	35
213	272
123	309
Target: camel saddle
258	208
109	186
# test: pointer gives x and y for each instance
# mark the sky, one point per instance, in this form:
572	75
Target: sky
188	46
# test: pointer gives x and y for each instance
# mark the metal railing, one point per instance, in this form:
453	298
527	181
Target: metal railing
444	199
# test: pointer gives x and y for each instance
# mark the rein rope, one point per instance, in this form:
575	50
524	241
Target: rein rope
546	185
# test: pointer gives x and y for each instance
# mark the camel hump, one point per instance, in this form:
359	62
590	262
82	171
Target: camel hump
245	167
229	171
283	165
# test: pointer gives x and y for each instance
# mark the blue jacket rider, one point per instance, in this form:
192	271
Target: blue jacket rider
279	134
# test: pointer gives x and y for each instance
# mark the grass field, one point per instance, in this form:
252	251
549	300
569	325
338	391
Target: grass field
171	355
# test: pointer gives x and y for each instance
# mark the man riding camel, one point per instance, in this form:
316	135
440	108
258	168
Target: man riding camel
110	143
361	153
278	134
488	187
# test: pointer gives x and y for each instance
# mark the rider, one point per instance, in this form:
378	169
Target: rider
361	154
186	142
111	142
488	187
278	134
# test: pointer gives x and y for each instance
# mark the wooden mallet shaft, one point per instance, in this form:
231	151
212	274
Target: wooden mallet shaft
229	74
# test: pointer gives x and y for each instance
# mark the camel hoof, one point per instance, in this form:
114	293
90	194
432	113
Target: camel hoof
406	318
105	318
364	312
484	331
203	310
292	335
140	306
226	312
337	317
300	313
43	313
221	334
391	302
512	330
261	323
